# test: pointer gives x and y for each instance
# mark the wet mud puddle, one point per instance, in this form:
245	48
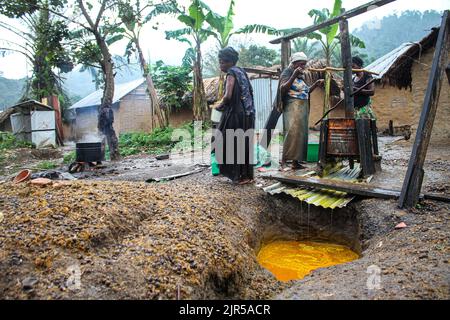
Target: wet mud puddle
293	260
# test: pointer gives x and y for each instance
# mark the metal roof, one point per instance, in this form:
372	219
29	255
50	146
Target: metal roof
31	103
120	91
384	64
321	197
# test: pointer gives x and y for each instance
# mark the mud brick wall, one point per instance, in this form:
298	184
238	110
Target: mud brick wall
135	112
405	106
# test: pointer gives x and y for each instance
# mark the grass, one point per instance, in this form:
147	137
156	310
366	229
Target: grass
69	157
159	141
9	141
46	165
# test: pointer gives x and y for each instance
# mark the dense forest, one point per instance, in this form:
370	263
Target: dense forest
382	36
379	36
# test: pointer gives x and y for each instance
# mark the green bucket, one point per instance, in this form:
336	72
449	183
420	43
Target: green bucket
313	152
214	165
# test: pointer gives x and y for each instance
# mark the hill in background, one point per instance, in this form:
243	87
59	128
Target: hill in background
383	36
10	91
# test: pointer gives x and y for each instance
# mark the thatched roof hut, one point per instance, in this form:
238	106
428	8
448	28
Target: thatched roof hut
394	68
408	67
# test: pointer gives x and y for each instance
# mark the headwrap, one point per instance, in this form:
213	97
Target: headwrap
299	56
229	54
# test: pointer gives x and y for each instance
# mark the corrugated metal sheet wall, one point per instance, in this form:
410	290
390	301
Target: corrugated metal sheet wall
265	91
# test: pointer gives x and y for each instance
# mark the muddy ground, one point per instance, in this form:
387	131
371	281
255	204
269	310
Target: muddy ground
198	236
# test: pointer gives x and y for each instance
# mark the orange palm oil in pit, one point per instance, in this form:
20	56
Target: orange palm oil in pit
293	260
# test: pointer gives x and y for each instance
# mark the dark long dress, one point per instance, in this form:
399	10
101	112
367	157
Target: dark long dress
239	113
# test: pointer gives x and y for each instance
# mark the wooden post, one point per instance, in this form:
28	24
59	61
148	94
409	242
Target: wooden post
365	146
323	143
373	130
414	176
53	102
391	128
285	53
346	54
448	73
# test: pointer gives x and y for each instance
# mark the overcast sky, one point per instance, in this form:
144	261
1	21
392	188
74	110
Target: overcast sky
276	13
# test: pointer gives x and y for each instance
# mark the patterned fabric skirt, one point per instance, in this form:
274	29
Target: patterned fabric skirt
295	121
365	112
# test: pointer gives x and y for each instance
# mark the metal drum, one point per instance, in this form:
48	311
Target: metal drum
342	139
90	152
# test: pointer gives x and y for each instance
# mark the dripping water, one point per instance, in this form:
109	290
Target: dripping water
308	218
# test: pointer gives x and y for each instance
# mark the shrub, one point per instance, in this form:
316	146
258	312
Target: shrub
10	141
46	165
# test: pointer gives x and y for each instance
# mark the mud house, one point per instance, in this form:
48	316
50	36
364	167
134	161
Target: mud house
401	86
133	112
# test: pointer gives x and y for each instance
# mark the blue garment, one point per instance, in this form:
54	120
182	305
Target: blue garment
299	90
246	89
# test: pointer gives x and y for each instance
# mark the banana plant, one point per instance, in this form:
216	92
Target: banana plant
195	33
134	17
328	37
223	30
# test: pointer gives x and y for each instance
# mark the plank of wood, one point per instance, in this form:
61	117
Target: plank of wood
269	128
373	130
175	176
414	176
353	188
285	53
339	70
364	190
365	146
448	73
346	15
270	73
323	143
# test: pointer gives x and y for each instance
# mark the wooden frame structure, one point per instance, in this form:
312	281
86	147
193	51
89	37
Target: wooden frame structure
364	128
412	185
414	176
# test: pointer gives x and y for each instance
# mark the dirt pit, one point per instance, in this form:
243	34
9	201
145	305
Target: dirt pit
198	238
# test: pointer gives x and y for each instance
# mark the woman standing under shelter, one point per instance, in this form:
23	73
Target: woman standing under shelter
294	100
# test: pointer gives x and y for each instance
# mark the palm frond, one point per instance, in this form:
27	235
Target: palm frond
175	34
258	28
163	8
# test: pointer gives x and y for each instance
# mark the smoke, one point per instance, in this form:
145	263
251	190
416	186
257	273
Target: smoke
91	138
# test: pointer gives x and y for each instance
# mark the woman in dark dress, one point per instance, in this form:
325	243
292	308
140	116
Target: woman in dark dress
234	138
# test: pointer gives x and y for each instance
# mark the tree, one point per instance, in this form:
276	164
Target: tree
329	39
257	56
134	17
195	21
311	49
172	83
223	31
99	26
42	44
